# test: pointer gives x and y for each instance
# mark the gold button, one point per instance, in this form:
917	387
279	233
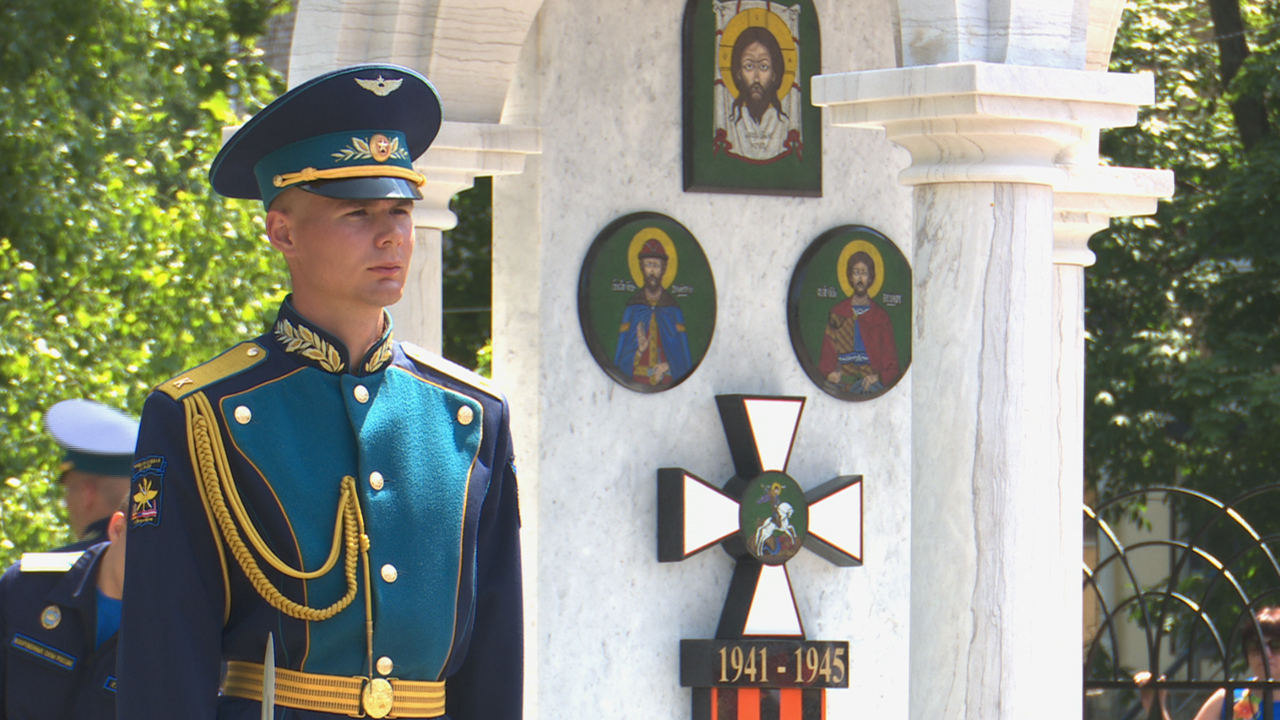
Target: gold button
385	665
362	394
253	352
465	415
375	480
389	573
243	415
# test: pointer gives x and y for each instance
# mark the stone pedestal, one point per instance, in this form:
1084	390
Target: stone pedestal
992	555
461	153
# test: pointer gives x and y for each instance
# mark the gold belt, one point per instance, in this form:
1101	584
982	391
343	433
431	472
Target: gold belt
353	696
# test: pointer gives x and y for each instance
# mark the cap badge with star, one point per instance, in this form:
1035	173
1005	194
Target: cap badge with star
97	439
352	133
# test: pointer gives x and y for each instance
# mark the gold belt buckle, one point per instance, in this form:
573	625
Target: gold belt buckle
377	698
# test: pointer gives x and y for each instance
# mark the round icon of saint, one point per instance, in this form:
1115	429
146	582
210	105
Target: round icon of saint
646	302
849	313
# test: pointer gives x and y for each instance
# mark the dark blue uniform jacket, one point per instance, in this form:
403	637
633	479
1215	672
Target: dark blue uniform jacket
51	669
428	446
95	533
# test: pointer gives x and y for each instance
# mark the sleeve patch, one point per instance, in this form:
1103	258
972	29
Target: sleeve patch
148	490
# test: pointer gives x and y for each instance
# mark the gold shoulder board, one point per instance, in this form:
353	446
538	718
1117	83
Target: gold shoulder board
239	358
49	561
450	368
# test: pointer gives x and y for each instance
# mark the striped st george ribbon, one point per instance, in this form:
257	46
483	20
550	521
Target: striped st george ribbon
759	704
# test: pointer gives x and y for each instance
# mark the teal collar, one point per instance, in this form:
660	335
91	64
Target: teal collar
312	345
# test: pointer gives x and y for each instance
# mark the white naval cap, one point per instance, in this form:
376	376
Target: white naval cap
98	439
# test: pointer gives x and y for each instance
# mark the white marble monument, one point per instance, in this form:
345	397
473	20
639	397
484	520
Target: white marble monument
973	147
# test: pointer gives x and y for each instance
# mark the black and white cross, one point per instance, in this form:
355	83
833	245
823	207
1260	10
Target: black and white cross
762	517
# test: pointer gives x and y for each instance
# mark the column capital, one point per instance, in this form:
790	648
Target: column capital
461	153
983	122
1088	197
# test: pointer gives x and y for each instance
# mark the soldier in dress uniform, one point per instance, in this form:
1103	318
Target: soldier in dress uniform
60	613
97	442
323	497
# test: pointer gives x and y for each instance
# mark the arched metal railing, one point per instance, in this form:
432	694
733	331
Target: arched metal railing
1190	617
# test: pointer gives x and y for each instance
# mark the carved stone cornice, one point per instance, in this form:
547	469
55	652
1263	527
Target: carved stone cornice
1085	202
983	122
461	153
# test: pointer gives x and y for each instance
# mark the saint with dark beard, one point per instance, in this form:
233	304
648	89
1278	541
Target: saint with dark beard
757	63
757	71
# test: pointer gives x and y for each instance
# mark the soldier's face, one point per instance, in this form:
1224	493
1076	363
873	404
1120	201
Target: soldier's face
345	252
77	489
653	269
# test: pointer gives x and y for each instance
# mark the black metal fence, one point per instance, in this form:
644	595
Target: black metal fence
1185	599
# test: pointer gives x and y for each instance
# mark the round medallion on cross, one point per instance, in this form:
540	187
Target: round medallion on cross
773	517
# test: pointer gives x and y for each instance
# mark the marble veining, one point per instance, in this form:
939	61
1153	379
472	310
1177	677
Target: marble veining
984	487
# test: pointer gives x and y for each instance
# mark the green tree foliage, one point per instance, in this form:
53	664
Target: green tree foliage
1183	313
118	266
468	276
1183	308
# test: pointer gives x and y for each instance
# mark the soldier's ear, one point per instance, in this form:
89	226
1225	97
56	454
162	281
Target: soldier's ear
116	527
280	231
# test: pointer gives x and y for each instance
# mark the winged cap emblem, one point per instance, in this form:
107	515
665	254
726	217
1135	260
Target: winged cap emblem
380	87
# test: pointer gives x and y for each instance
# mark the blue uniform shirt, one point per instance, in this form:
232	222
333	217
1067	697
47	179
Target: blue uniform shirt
51	669
428	447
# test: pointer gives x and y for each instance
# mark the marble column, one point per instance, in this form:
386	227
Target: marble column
992	629
1084	204
461	153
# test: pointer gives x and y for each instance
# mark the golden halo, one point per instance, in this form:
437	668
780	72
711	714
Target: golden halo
633	255
848	251
758	17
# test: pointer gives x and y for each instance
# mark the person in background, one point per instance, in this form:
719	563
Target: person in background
1262	654
97	442
60	613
